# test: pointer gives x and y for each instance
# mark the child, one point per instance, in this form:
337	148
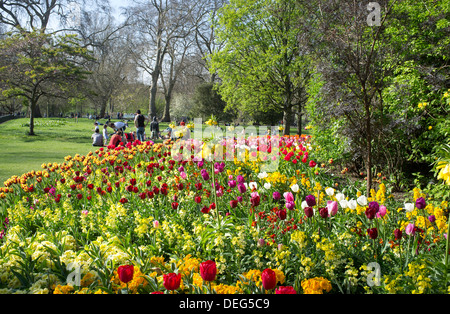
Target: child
105	133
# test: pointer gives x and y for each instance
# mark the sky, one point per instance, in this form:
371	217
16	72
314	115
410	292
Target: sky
117	4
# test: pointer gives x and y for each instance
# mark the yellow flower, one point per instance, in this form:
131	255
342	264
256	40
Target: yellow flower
316	285
444	173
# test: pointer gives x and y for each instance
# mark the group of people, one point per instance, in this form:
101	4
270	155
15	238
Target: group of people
119	135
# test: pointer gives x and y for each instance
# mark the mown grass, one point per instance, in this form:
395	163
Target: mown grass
55	139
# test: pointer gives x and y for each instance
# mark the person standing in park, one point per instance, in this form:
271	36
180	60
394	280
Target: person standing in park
154	128
139	123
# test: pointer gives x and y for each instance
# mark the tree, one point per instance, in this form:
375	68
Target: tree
34	64
36	15
263	65
112	64
352	59
207	102
158	24
205	35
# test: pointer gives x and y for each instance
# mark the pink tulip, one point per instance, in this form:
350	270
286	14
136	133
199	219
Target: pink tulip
332	207
410	229
381	211
288	197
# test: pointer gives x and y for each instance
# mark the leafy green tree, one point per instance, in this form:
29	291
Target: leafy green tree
207	102
262	65
33	65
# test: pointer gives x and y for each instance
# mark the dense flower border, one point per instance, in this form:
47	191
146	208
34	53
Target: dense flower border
70	227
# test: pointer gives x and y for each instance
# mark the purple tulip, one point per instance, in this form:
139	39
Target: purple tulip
205	174
420	203
276	195
310	200
242	188
232	184
240	179
290	205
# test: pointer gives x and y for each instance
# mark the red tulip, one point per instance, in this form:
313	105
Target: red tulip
309	212
172	281
123	200
174	205
125	273
208	270
285	290
373	233
205	210
281	214
269	279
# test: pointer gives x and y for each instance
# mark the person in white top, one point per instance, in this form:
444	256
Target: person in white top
105	133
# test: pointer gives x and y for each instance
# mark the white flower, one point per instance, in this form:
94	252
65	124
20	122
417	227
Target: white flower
362	200
329	191
252	185
262	175
352	204
295	188
409	207
340	197
344	203
304	205
267	185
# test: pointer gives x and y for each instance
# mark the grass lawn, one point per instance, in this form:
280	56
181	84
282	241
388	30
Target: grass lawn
55	139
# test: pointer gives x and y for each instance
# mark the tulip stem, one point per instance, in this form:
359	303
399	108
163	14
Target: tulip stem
215	195
447	246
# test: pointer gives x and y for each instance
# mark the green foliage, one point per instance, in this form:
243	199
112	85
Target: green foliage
208	102
33	65
261	66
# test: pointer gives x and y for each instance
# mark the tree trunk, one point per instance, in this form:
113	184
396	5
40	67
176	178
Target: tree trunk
288	119
103	109
299	121
166	117
32	111
153	91
369	149
37	111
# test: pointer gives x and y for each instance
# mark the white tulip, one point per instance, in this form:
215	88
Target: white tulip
329	191
352	204
295	188
409	207
304	205
362	200
343	203
340	197
262	175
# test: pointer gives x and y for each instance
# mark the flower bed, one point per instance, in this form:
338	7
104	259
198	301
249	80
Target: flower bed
141	219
